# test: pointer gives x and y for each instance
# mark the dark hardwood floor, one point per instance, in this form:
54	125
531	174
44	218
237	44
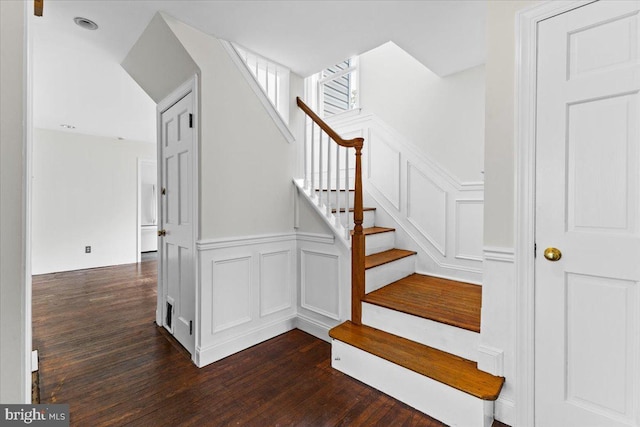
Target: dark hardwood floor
101	353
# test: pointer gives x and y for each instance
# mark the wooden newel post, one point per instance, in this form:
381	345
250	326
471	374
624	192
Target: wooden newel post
357	245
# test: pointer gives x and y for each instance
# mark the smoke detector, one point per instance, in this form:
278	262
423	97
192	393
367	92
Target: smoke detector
85	23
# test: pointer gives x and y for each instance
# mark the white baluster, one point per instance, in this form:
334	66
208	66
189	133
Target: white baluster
337	186
312	188
328	175
305	150
320	167
347	223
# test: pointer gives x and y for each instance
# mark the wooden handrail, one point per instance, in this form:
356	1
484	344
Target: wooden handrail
357	242
349	143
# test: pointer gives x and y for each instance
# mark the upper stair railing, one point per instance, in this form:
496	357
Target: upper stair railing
330	189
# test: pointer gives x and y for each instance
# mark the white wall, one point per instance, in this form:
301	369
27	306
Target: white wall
14	371
245	170
499	129
84	194
443	116
499	287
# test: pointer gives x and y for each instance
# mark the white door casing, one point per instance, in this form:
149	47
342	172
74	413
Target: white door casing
177	247
587	304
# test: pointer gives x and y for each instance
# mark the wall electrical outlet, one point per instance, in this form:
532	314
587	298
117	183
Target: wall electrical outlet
87	249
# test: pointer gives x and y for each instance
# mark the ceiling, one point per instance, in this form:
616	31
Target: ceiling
78	79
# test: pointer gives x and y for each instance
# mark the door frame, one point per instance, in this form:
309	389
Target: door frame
141	162
190	86
525	169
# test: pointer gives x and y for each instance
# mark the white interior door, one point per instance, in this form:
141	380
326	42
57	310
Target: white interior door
587	304
177	252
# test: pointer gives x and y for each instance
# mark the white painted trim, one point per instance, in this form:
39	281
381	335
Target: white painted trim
231	242
457	279
456	240
206	355
257	89
505	411
494	253
139	206
492	358
525	127
313	327
190	86
34	360
318	310
26	322
361	117
316	238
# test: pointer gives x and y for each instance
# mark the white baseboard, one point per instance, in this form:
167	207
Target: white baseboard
491	360
505	411
313	327
213	353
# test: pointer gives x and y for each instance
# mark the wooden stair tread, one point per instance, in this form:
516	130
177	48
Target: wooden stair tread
445	301
374	260
449	369
351	190
351	209
376	230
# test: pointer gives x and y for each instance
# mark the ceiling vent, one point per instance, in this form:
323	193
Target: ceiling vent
85	23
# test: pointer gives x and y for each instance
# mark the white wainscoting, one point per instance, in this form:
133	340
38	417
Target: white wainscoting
247	293
324	276
498	328
433	212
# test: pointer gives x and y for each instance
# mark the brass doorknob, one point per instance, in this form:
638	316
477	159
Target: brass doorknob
162	233
552	254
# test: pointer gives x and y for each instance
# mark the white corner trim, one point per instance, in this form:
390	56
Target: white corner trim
253	84
525	121
494	253
229	242
313	327
491	360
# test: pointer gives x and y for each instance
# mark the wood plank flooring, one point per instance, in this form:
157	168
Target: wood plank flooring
101	352
446	301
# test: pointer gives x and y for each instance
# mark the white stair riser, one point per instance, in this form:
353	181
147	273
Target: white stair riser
447	404
379	242
369	219
382	275
343	196
451	339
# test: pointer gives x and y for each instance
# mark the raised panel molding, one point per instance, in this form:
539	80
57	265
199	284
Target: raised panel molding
469	229
319	283
427	207
246	292
425	214
275	282
384	168
231	293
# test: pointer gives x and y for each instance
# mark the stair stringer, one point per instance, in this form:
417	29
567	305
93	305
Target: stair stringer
453	248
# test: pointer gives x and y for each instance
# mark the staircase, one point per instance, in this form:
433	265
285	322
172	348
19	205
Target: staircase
412	336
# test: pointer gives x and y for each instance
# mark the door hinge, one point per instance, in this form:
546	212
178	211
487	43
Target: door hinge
535	250
190	120
190	327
